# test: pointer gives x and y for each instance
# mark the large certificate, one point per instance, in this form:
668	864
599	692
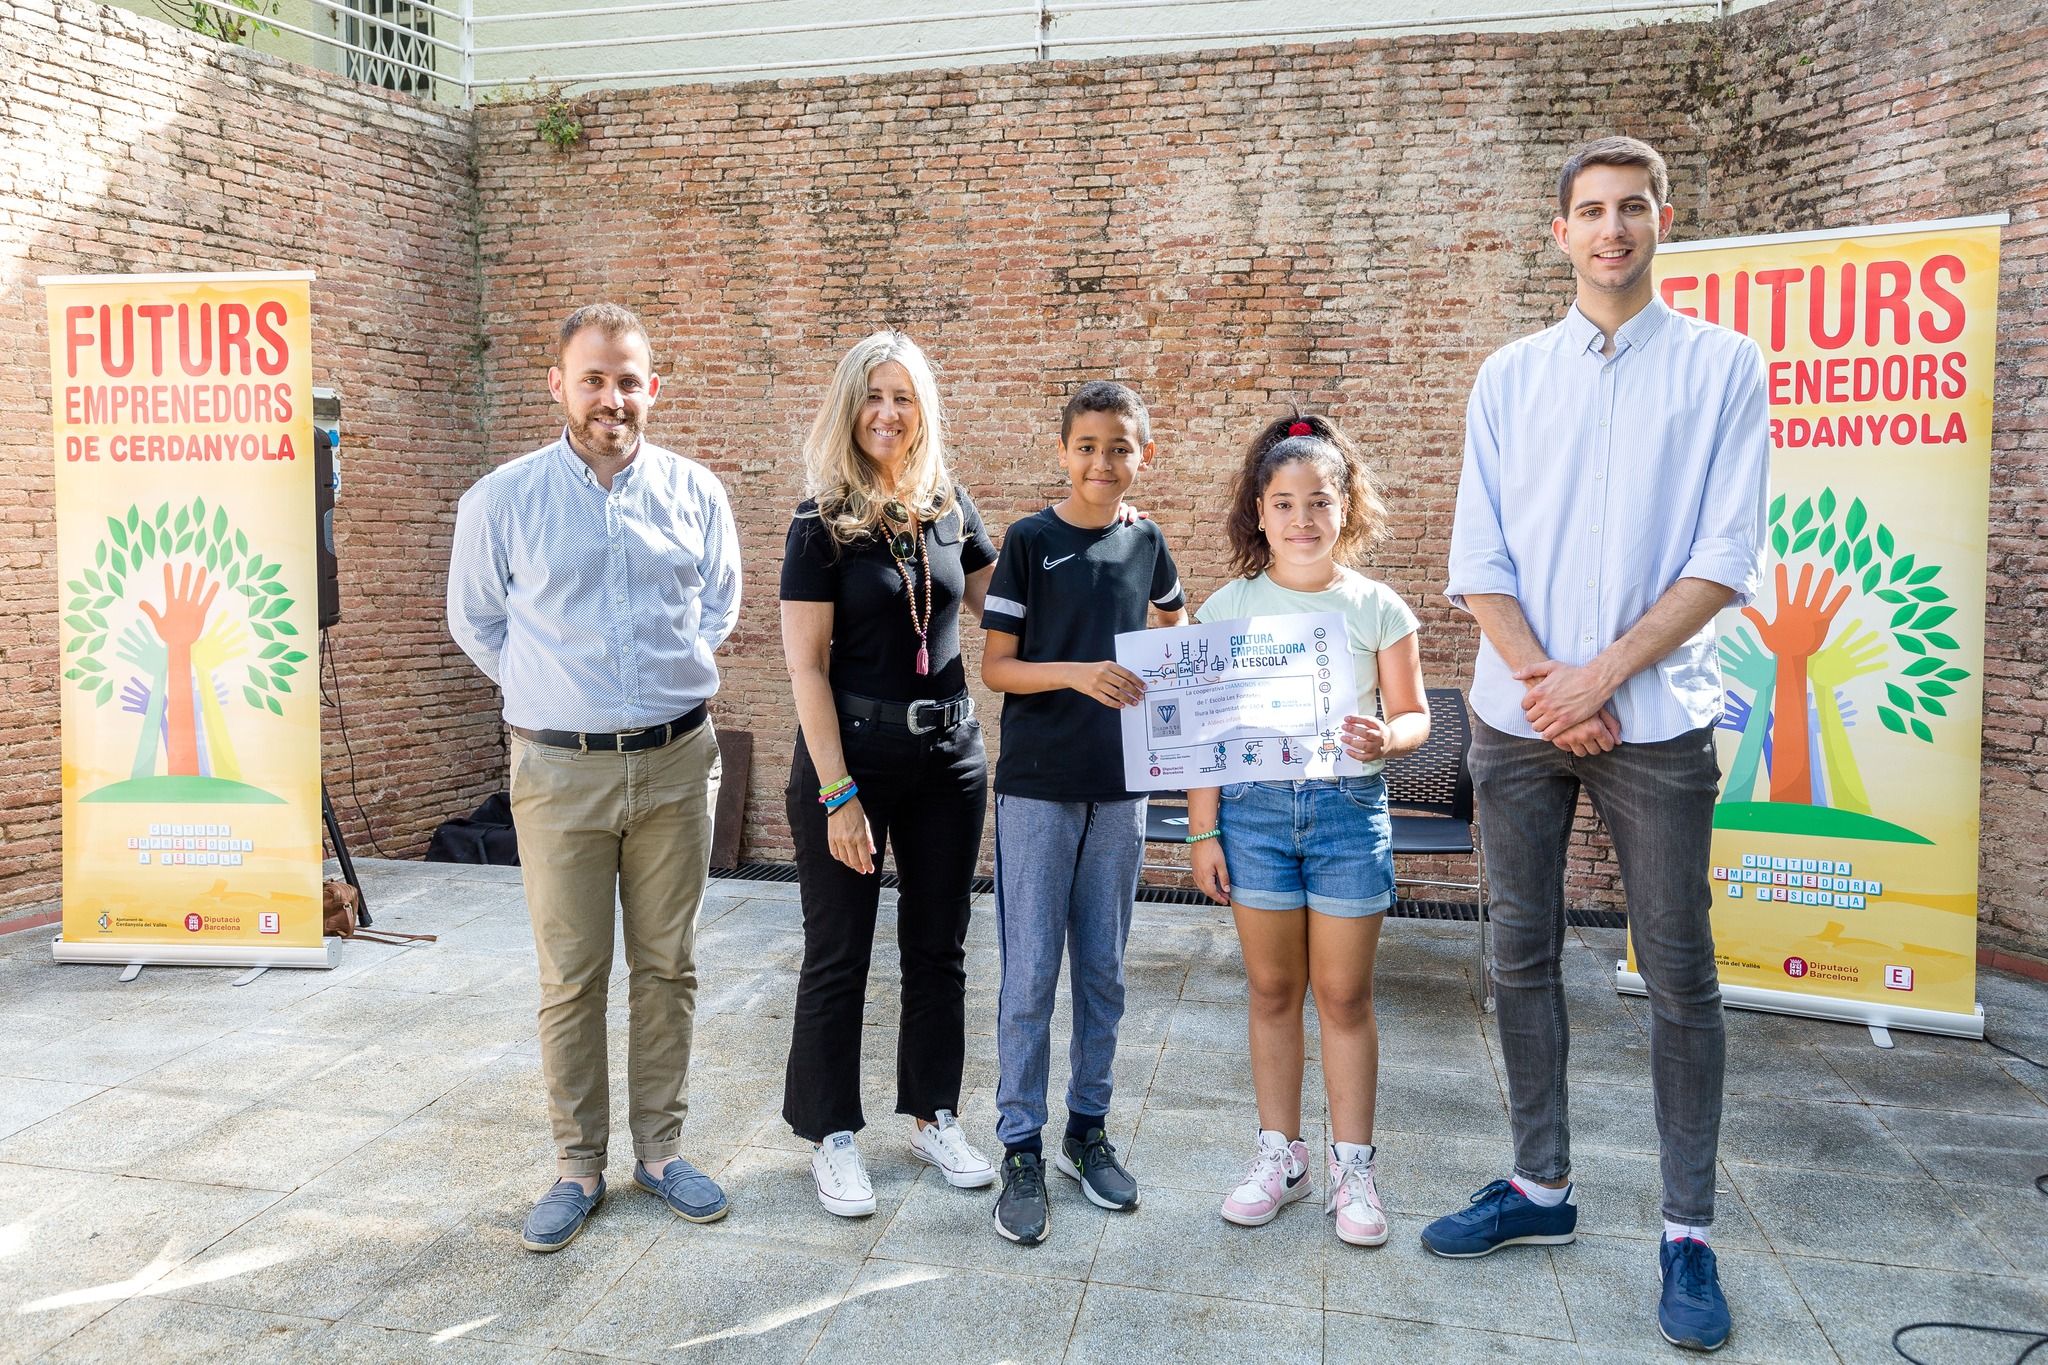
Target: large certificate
1257	699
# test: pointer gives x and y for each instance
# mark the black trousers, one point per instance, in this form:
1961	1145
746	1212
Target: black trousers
925	797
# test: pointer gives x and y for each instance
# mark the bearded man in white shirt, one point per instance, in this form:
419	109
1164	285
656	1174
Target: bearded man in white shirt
1612	503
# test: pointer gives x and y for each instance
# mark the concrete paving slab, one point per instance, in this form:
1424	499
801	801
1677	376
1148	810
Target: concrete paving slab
1611	1287
1854	1217
1859	1305
897	1311
1118	1326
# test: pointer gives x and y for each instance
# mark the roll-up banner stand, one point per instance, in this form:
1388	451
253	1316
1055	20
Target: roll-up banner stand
182	421
1845	838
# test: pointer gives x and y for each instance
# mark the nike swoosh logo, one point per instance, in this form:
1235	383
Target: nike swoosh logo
1055	563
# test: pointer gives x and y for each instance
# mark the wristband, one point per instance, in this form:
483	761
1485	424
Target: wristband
1208	834
831	787
839	798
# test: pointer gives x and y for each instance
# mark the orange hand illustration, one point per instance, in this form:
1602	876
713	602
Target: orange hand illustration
1801	627
178	624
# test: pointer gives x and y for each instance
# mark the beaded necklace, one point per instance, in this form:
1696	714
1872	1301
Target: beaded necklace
907	548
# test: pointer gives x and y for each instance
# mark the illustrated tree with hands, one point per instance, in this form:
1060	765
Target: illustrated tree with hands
1794	633
1758	671
179	641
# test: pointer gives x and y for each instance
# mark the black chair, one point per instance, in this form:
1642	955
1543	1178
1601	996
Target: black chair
1429	794
1166	822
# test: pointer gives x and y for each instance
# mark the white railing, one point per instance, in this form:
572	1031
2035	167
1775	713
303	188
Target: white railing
436	49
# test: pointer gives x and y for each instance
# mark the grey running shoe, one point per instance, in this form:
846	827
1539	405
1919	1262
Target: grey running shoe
1021	1212
1092	1161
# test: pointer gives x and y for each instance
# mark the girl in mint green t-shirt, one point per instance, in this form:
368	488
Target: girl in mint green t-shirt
1307	867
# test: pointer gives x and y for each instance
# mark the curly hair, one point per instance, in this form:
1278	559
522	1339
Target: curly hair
1324	446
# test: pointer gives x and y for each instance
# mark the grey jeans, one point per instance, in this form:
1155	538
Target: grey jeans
1657	801
1066	874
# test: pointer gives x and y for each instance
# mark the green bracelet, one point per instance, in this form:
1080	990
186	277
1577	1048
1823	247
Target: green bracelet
1211	834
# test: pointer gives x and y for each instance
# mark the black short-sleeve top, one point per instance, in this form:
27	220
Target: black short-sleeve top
874	647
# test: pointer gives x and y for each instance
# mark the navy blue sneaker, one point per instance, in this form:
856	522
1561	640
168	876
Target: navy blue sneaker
1501	1216
561	1213
691	1193
1691	1313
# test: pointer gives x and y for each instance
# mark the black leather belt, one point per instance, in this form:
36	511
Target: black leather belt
622	741
918	717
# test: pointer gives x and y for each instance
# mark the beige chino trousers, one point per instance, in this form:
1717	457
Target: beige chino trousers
632	830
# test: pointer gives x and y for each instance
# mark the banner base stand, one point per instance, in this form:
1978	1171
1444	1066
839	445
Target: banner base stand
138	955
1872	1014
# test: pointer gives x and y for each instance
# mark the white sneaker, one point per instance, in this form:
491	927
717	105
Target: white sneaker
1355	1201
942	1144
843	1185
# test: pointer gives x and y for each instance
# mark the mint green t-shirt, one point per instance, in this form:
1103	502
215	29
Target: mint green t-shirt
1374	617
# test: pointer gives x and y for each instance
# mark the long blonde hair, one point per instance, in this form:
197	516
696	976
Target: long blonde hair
848	486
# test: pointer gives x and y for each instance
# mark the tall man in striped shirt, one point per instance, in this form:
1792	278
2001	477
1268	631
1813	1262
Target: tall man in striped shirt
1612	502
592	580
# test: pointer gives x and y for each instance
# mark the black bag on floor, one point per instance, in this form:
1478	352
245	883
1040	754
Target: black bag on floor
486	836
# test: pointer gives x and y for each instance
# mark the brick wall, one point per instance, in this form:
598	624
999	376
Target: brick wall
1353	227
131	146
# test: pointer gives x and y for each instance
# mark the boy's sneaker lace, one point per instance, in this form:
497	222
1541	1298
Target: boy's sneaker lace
1355	1201
941	1143
1277	1177
842	1181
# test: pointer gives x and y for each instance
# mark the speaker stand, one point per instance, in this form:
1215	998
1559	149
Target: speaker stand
348	867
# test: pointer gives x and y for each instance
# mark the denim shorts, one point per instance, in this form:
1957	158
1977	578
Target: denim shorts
1323	843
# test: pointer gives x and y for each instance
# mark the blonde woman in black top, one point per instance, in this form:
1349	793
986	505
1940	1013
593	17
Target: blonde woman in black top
879	560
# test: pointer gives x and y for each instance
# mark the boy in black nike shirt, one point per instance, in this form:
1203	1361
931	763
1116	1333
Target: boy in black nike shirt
1069	837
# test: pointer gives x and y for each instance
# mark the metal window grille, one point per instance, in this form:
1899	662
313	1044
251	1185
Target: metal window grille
402	41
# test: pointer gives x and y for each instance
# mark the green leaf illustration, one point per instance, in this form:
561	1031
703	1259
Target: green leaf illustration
1922	667
1933	707
1921	731
116	585
1934	687
272	589
1841	556
92	665
1901	566
99	554
106	691
297	656
73	645
275	709
1892	720
118	532
163	514
253	697
78	604
262	630
272	651
286	628
1903	615
1777	507
1870	574
241	543
259	677
1802	514
1933	616
148	537
234	574
1901	698
199	511
1941	640
274	608
280	684
270	571
1827	503
1779	541
184	520
1929	595
1910	644
281	669
1885	545
1852	525
220	523
1924	572
1953	674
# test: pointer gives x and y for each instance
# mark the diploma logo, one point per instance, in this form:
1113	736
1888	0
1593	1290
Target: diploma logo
1166	720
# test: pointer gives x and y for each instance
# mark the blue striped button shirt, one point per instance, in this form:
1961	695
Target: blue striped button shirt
1593	483
595	610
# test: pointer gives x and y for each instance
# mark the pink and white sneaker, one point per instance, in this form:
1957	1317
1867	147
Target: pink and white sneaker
1277	1177
1355	1201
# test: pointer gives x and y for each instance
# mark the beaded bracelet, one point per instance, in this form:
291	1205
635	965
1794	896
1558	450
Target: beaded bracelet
1207	834
839	798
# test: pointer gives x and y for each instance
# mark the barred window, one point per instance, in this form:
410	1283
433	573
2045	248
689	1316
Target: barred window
402	37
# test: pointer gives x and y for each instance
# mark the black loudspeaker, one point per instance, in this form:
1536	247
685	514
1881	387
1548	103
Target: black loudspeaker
323	527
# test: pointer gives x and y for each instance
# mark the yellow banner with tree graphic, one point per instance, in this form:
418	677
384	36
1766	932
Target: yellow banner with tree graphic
182	421
1845	844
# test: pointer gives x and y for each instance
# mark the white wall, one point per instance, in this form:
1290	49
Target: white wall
921	33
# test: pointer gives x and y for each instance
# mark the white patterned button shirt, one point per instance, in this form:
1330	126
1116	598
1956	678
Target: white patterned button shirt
595	611
1593	483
